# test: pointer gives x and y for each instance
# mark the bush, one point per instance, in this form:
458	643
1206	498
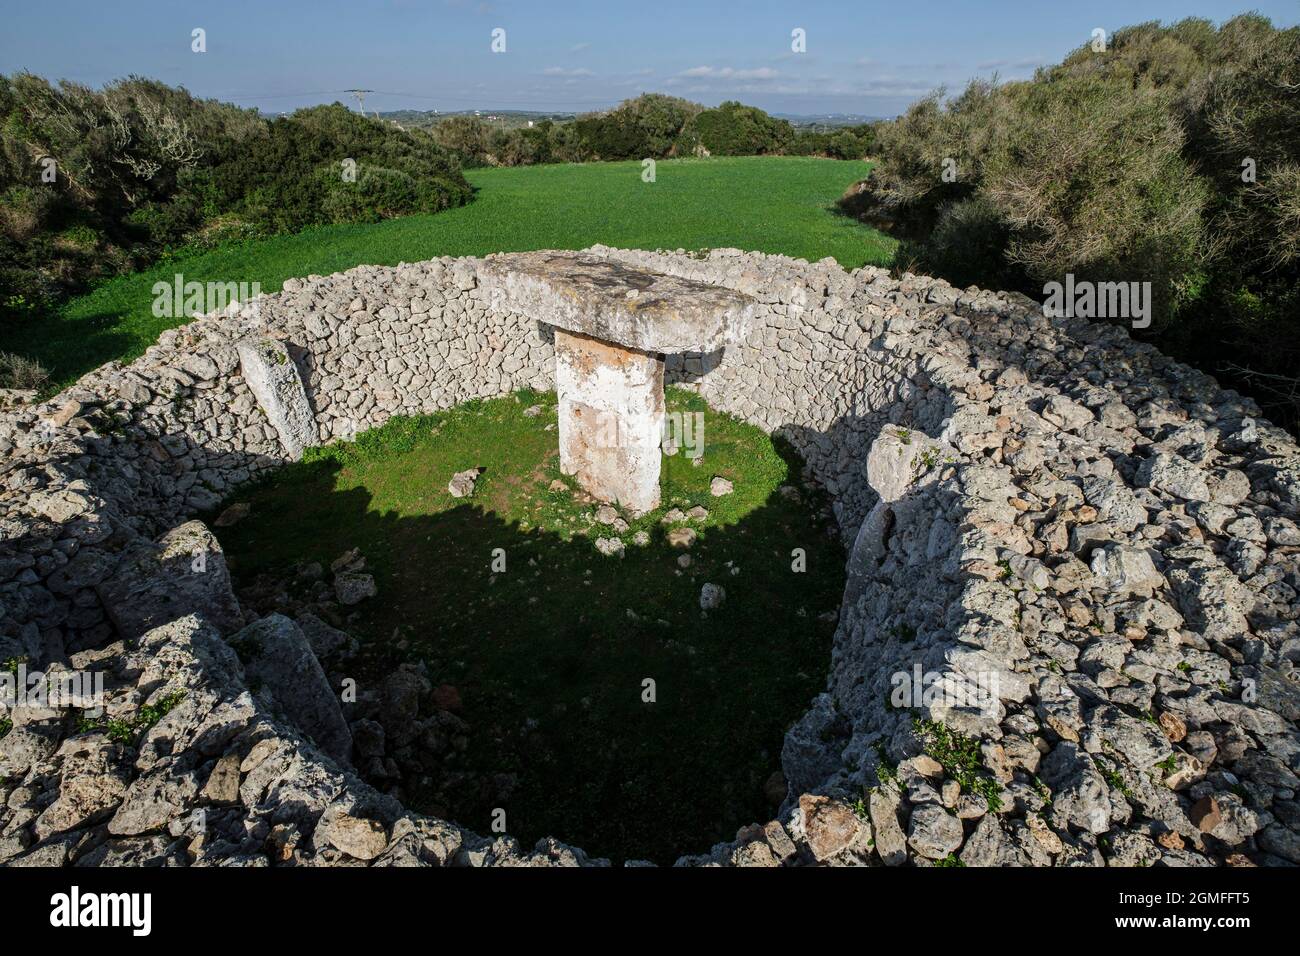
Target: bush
734	129
645	127
295	175
1124	165
141	168
19	372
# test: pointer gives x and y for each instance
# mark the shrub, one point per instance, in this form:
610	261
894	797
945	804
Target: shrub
294	176
647	126
142	168
19	372
734	129
1124	165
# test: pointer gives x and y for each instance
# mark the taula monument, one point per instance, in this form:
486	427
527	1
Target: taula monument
613	325
1040	505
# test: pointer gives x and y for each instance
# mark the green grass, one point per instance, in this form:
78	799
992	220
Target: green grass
549	656
768	204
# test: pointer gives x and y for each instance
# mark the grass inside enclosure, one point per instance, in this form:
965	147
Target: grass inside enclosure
549	657
758	203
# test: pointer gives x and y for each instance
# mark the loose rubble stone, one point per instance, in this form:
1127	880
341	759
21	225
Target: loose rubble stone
353	587
934	832
712	597
462	483
830	827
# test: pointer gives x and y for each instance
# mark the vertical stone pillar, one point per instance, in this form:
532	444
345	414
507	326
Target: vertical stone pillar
611	419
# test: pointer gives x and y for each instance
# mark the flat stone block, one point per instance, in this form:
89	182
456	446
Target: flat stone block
607	300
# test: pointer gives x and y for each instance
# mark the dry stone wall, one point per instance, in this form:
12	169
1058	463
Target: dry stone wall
1100	541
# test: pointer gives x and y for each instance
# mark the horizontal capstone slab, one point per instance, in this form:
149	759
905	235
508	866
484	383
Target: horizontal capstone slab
614	302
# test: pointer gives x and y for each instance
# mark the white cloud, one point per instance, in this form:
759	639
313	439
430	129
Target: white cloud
729	73
564	71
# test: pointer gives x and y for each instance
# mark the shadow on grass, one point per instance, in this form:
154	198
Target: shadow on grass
68	347
551	655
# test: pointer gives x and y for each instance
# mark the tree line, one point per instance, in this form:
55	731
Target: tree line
101	182
649	126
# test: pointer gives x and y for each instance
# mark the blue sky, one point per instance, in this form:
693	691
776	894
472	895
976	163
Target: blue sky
862	56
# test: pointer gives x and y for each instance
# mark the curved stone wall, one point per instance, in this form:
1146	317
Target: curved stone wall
1100	539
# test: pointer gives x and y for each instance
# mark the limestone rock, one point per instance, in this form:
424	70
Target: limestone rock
934	832
184	572
272	376
712	597
353	587
462	483
277	653
611	301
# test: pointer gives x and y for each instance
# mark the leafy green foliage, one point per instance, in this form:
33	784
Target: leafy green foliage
100	182
294	176
126	730
652	126
734	129
1132	164
694	204
646	126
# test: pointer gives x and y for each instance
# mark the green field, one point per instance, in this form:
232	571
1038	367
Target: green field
765	204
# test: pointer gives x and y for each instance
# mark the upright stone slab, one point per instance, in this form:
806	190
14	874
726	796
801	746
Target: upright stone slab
613	325
273	378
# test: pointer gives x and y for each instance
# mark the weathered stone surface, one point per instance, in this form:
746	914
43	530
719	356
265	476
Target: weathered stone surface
156	583
358	837
277	653
712	596
462	483
617	303
611	419
92	787
899	458
831	827
273	378
934	832
989	845
891	844
353	587
1125	570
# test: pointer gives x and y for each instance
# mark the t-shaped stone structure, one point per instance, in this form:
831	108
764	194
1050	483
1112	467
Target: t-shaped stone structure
613	325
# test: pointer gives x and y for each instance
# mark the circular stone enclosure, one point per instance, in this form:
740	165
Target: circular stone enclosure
1102	541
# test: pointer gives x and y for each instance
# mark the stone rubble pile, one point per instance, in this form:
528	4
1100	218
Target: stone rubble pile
1076	559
